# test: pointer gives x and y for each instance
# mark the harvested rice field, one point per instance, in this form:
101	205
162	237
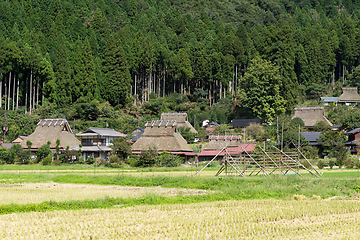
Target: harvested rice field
26	193
247	219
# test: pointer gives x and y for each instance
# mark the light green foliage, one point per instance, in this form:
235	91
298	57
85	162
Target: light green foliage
47	160
166	159
262	90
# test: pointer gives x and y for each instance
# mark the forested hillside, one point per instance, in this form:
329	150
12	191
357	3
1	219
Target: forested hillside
267	55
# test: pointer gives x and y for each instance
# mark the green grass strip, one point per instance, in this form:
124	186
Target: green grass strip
111	203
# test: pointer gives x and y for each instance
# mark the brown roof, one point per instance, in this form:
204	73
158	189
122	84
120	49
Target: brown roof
181	120
349	95
163	136
219	142
311	115
51	130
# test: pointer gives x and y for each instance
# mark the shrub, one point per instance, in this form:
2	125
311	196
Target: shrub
56	162
321	164
166	159
147	158
114	158
90	160
331	164
132	161
47	160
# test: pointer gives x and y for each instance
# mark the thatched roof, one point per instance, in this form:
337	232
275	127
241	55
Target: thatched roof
349	95
218	142
181	120
51	130
163	136
311	115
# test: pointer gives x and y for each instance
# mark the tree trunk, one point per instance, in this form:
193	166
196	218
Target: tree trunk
135	96
37	91
13	96
164	82
9	92
30	93
17	94
42	92
220	89
0	88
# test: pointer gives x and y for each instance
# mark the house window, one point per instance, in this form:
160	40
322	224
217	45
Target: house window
86	142
102	141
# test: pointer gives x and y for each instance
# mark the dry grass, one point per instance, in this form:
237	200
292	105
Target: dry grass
40	192
251	219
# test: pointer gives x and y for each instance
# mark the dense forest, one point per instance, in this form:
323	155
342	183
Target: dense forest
261	56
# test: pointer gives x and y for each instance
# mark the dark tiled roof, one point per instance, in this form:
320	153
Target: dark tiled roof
312	137
353	131
137	136
109	132
330	99
244	122
7	145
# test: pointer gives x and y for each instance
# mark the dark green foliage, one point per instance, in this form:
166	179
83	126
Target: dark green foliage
333	145
186	134
121	147
117	79
43	152
147	158
350	121
321	126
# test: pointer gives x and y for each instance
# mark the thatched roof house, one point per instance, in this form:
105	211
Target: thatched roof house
163	136
311	115
349	95
51	130
180	118
221	141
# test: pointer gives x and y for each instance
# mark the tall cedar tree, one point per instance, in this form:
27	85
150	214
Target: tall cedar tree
117	79
84	72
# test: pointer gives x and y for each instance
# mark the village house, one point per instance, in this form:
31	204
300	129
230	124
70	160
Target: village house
232	143
311	115
50	130
180	118
348	97
162	135
96	142
353	142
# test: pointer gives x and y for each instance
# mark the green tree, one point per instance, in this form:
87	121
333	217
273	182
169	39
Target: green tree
332	143
84	72
121	147
43	152
186	134
117	77
350	121
261	85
